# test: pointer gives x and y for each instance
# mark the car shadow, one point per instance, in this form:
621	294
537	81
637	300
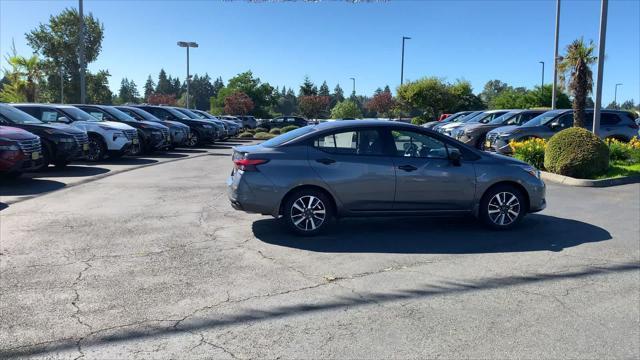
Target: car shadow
171	155
27	186
187	151
420	235
68	171
215	146
130	161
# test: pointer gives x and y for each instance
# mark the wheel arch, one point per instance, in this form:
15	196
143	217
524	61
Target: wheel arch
308	187
515	184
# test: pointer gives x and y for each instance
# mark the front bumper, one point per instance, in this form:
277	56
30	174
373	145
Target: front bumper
66	152
537	197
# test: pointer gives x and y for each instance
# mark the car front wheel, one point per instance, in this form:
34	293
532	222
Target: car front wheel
193	140
308	212
502	207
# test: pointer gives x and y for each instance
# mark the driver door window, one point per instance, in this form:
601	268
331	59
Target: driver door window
96	114
417	145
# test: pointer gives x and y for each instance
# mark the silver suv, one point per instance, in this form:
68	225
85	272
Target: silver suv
378	168
614	124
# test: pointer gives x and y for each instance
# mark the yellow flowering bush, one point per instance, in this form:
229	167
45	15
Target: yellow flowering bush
622	151
530	151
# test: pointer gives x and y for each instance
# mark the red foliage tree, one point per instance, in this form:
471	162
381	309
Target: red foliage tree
238	103
161	99
382	103
313	106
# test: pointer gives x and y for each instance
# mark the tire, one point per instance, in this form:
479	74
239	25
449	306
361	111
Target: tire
307	212
47	155
62	164
502	207
480	142
193	140
97	149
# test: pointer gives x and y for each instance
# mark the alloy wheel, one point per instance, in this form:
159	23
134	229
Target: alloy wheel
503	208
192	140
308	213
95	150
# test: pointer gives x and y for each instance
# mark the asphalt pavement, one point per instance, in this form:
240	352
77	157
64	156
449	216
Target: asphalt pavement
154	263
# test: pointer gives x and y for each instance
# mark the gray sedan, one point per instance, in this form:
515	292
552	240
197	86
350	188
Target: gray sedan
377	168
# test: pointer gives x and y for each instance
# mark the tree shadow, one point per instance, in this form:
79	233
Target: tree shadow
420	235
68	171
28	186
141	331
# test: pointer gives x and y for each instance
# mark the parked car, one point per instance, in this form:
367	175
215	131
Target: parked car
475	133
483	117
150	136
201	131
248	122
178	132
61	143
20	151
364	168
231	118
220	127
457	117
105	137
614	124
444	116
233	129
283	121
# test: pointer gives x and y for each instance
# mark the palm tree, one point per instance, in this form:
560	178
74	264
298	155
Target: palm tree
576	64
31	70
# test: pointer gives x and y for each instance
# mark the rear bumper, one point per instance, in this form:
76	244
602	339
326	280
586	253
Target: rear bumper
252	192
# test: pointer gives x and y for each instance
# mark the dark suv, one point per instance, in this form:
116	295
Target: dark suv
283	121
61	144
201	131
179	133
20	151
150	136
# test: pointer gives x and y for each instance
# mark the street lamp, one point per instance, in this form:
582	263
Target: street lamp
187	44
354	85
61	69
555	58
604	5
402	62
615	95
542	83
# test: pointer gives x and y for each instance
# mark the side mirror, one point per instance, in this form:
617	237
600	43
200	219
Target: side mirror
63	119
455	157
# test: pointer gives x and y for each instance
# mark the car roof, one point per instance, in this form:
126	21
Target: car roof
364	123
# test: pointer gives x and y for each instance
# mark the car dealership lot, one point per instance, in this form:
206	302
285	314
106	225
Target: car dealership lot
154	262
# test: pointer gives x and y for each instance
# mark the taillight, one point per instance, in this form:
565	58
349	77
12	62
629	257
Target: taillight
248	164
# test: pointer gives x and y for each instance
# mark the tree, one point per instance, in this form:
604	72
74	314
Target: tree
628	105
313	106
128	92
463	98
575	73
346	109
238	103
161	99
148	88
492	89
307	88
57	41
260	93
164	86
430	95
337	96
324	89
382	103
521	98
98	91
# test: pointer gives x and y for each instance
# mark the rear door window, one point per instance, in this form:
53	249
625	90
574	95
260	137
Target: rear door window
351	142
609	119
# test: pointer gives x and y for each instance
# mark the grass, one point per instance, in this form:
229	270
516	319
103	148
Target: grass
620	169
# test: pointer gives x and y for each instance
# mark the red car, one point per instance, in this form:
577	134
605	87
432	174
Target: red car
20	151
443	116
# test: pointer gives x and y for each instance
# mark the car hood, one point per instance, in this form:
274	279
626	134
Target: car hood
57	127
153	125
110	124
504	159
505	129
452	126
174	124
475	126
12	133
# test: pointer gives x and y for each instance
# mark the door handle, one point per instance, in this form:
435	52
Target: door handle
325	161
407	167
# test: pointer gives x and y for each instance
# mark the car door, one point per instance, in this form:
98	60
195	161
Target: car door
426	179
353	164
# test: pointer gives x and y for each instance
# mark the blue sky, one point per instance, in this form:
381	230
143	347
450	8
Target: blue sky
333	41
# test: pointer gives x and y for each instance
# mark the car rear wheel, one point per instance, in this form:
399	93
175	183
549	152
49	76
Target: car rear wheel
502	207
308	212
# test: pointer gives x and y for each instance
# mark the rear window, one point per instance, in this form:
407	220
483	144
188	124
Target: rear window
288	136
609	119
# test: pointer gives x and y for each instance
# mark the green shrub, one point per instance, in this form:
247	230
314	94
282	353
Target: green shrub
263	136
578	153
530	151
618	151
422	119
288	128
260	129
275	131
245	135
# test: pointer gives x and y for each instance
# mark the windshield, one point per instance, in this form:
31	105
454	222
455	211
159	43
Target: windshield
191	114
504	117
206	115
143	115
176	113
543	118
118	114
17	116
76	114
281	139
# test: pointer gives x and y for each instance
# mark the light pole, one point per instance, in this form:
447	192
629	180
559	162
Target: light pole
402	62
83	89
555	58
615	95
542	83
187	44
61	85
601	43
354	86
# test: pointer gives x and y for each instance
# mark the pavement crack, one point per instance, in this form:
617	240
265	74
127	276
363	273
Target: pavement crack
204	341
76	299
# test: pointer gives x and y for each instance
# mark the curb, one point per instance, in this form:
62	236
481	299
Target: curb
105	175
566	180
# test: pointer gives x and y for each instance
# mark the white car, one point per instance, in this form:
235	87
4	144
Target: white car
105	137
